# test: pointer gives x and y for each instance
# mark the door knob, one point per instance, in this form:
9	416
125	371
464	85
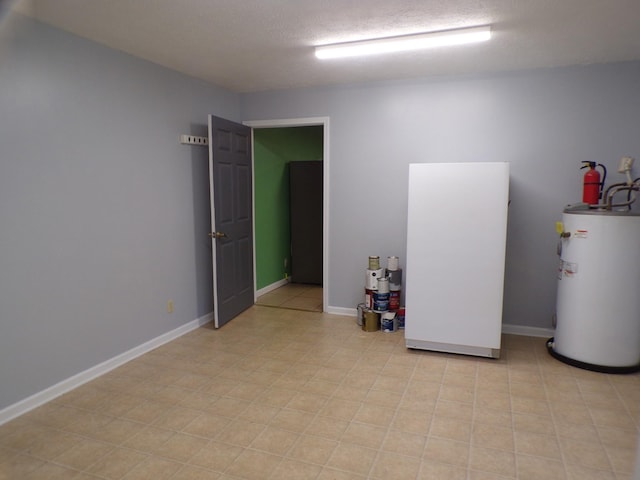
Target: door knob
217	235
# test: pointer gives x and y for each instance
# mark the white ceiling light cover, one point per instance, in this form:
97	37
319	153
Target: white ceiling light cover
405	42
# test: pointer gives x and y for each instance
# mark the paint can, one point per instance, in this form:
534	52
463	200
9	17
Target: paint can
388	322
393	263
360	317
394	300
383	285
381	296
400	317
368	298
374	262
370	321
372	277
380	301
395	279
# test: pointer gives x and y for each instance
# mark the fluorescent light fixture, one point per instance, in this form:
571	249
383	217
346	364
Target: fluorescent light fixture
405	42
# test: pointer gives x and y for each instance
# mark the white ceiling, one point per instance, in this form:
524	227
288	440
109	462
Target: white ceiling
254	45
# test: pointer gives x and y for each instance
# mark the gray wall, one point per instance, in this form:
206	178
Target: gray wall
544	123
103	214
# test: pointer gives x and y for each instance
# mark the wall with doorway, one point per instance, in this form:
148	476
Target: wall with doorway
274	148
543	122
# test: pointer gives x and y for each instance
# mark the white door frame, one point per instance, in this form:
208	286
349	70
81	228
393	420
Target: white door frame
301	122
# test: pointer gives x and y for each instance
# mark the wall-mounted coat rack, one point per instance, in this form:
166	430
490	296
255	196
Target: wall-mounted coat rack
193	140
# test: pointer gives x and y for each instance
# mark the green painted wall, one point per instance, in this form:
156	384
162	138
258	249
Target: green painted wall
274	148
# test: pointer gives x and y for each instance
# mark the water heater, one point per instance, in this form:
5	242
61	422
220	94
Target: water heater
598	302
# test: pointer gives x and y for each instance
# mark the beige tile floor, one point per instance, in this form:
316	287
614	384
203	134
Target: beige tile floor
280	394
294	295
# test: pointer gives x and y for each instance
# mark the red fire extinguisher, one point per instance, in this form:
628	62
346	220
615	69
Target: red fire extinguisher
592	185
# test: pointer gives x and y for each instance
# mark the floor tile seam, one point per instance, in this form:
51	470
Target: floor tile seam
289	453
245	449
406	386
387	429
626	407
41	424
553	416
219	435
301	294
178	473
512	413
154	454
26	453
472	437
568	464
612	464
85	470
316	435
475	411
560	457
82	438
423	462
596	423
496	476
181	466
86	436
299	303
466	466
373	462
361	405
599	426
315	415
310	296
67	467
606	445
512	452
273	474
290	308
338	469
344	382
538	457
566	461
288	450
373	465
435	435
89	472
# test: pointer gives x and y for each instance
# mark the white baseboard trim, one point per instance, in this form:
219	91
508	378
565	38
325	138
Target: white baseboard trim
37	399
527	331
506	328
350	312
272	287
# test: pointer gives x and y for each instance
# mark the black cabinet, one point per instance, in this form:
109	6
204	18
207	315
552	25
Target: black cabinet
305	187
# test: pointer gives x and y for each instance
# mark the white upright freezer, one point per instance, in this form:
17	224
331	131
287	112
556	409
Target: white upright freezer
456	242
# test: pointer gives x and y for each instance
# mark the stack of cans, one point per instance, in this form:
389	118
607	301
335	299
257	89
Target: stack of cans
383	289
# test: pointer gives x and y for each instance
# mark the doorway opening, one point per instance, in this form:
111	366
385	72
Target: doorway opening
278	147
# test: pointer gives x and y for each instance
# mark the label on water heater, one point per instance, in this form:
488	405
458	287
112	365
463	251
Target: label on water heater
570	269
580	234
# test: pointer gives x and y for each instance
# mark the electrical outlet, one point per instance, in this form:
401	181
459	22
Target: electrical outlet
169	306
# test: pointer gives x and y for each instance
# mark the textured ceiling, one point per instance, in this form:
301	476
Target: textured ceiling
253	45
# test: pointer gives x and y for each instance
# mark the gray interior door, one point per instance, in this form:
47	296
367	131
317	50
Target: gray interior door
231	189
